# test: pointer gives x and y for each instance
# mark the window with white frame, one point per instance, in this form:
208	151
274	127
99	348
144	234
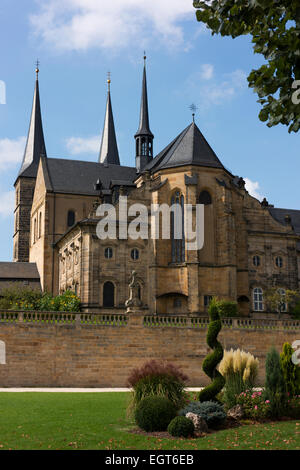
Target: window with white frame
258	299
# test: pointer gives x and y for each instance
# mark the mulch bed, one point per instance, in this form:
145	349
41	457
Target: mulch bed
229	424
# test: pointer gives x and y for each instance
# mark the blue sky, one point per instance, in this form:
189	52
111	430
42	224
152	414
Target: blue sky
79	41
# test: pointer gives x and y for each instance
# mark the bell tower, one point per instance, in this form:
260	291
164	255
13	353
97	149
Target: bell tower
144	137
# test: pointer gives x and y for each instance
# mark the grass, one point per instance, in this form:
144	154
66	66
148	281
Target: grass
98	421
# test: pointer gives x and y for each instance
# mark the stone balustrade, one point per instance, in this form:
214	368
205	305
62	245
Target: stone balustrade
148	321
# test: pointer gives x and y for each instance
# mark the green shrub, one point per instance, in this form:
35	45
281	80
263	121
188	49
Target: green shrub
274	384
291	371
227	308
154	413
293	407
211	361
181	427
295	311
212	412
68	302
19	297
158	379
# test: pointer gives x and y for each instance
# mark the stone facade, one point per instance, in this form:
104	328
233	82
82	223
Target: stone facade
248	246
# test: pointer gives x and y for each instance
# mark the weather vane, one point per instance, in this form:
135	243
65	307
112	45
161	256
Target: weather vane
193	108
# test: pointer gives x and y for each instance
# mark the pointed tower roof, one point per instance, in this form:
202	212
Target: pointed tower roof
188	148
144	127
35	145
109	153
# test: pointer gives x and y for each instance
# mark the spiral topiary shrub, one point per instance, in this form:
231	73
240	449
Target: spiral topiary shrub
212	412
212	360
154	413
181	427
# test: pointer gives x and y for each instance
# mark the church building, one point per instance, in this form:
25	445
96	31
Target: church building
249	246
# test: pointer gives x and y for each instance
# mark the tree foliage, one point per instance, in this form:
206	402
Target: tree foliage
275	29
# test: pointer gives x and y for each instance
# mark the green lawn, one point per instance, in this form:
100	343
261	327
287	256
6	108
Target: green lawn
98	421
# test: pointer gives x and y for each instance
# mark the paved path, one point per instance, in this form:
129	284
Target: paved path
75	390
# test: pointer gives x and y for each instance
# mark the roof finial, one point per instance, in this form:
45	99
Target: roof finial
193	108
108	80
145	57
37	68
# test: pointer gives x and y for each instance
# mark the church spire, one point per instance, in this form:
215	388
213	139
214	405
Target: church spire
109	153
144	137
35	145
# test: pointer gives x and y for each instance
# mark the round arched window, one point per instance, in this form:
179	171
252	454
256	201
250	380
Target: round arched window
135	254
279	262
108	294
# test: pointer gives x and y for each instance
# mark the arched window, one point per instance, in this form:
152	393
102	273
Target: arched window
258	299
279	262
177	223
108	294
2	353
205	198
71	218
256	260
135	254
144	146
34	230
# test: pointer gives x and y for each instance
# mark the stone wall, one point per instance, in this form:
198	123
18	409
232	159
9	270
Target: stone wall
85	350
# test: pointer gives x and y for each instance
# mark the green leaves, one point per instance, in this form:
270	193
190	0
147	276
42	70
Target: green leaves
275	30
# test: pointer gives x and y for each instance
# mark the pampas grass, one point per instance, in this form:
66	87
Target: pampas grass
240	370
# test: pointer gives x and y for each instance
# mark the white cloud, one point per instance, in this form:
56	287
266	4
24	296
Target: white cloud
213	89
111	25
207	71
11	152
253	188
78	145
7	203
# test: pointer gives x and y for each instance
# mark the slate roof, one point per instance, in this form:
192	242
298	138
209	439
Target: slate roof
79	177
144	126
188	148
22	271
35	145
279	215
109	148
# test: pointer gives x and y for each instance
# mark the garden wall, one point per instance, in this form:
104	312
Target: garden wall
85	350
